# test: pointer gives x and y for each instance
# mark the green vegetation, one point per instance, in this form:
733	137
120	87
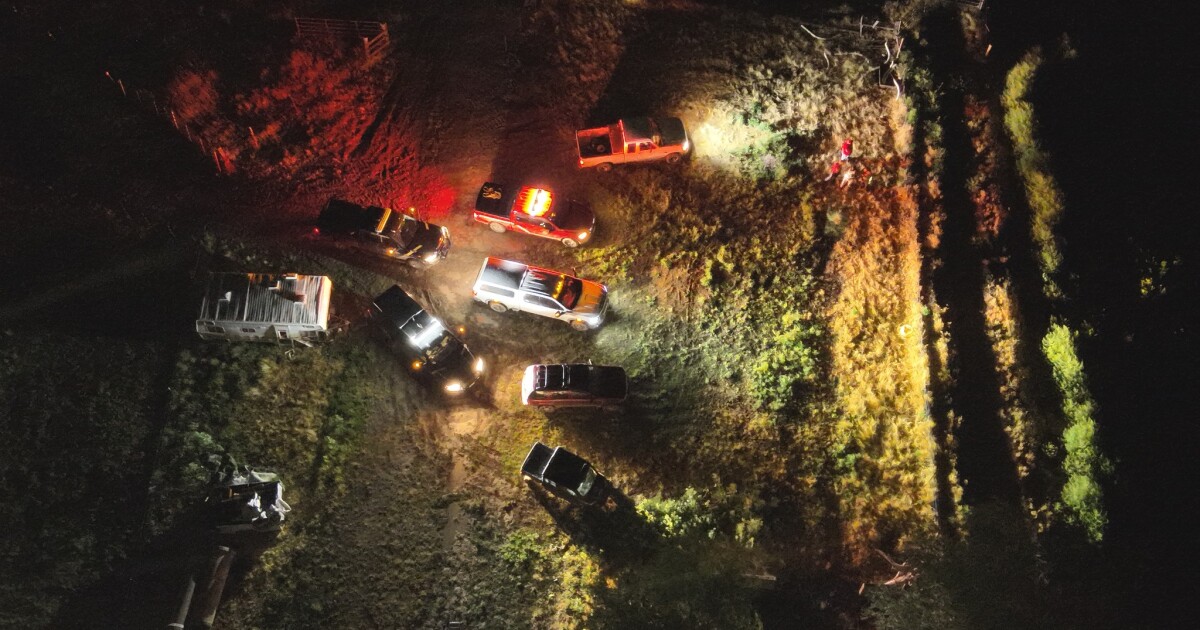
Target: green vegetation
1041	190
77	417
1082	460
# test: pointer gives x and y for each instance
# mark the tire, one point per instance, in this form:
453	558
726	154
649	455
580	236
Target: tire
601	147
570	242
674	158
497	306
497	227
579	324
605	167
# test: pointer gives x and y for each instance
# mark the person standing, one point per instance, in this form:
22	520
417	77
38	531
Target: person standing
847	176
834	169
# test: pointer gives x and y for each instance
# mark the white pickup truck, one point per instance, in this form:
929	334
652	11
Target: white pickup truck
632	140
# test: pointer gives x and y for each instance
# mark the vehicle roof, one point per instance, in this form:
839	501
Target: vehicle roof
397	306
504	273
603	380
566	468
264	298
640	128
542	281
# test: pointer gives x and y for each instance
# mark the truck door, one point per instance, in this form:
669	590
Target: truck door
642	151
541	305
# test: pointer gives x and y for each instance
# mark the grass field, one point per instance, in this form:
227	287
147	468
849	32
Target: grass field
771	324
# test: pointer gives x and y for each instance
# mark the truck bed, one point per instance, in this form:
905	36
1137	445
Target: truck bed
595	142
536	460
344	216
492	201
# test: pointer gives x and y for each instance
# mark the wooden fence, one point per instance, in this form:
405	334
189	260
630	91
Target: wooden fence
372	36
148	102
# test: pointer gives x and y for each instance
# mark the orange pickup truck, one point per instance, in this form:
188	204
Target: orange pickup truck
632	140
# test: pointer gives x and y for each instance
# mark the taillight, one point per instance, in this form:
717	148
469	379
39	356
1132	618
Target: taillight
316	230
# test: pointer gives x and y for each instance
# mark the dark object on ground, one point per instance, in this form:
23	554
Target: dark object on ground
242	500
384	232
433	352
564	473
574	385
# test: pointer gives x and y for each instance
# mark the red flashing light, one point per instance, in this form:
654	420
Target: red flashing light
316	230
535	201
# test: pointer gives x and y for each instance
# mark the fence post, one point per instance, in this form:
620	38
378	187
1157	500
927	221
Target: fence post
122	86
174	121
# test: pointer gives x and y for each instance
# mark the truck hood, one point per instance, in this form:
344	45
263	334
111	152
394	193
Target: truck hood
423	237
672	131
593	299
574	215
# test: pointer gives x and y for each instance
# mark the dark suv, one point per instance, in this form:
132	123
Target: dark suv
574	385
384	232
433	352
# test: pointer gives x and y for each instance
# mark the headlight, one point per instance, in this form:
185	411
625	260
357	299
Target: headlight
478	366
687	144
391	251
432	258
416	365
454	387
583	236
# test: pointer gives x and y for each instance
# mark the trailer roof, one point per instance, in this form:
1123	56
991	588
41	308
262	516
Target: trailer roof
264	298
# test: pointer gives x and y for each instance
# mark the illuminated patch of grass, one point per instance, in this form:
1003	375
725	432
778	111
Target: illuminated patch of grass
883	431
1082	460
1042	192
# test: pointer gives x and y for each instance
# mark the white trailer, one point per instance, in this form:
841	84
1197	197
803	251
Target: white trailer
278	308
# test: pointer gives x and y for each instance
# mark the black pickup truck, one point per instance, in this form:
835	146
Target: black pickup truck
563	473
384	232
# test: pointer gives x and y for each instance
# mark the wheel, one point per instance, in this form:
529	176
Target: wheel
579	324
601	147
570	242
674	158
497	306
497	227
605	167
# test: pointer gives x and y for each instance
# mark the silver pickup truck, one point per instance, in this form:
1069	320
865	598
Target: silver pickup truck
632	140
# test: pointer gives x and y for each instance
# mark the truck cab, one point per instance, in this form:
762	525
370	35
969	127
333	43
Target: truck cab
384	232
632	140
564	473
534	211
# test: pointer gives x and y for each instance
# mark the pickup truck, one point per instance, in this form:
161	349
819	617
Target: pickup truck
632	140
564	473
432	351
534	211
384	232
507	285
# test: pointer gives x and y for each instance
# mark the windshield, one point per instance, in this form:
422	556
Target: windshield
408	230
568	291
589	480
428	336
